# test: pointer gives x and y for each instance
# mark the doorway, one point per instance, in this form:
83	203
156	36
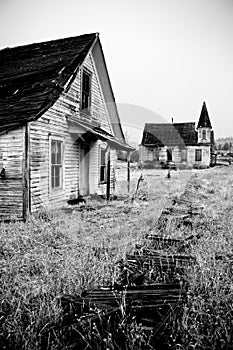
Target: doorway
169	155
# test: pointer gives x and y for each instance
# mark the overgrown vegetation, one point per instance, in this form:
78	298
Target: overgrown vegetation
70	251
207	321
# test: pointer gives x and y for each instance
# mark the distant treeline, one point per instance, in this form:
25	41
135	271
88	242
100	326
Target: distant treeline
224	143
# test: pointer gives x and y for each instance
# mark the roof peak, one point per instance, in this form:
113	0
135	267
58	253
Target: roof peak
169	123
204	120
32	77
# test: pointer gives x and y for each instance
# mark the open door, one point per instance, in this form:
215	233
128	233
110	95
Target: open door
84	170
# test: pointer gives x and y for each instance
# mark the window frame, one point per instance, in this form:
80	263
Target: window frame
183	152
204	135
198	155
59	188
85	108
103	165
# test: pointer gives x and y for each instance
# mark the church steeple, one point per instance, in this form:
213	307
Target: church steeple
204	127
204	120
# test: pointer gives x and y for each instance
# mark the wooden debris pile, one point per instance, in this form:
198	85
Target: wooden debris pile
150	290
95	315
179	216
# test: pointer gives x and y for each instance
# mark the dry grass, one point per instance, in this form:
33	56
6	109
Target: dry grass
71	251
208	313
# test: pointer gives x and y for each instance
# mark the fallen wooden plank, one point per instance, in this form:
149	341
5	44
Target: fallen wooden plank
172	260
164	241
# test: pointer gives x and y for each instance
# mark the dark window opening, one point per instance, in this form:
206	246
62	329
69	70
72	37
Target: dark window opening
198	155
169	155
86	91
204	134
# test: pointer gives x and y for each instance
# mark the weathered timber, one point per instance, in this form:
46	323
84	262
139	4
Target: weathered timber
106	299
140	180
182	211
162	260
163	242
11	187
102	311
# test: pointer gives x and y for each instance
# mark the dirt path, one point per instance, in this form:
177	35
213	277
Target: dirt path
122	222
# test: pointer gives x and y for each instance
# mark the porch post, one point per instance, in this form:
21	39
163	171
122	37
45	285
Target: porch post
25	173
128	171
108	175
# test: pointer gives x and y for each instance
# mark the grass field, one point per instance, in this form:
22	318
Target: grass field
72	250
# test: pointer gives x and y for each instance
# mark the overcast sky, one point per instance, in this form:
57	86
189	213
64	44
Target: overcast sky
164	57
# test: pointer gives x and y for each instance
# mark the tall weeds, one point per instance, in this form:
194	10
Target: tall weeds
207	320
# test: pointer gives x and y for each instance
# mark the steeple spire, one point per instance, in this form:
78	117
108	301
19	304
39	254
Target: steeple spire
204	120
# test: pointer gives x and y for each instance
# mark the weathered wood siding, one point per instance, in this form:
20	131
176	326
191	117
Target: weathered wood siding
176	155
53	124
40	133
147	154
95	186
11	187
163	154
99	112
205	162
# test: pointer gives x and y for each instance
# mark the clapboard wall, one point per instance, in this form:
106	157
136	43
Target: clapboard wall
12	155
53	124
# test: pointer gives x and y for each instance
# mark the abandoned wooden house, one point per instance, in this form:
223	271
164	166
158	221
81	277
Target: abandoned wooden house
59	124
180	143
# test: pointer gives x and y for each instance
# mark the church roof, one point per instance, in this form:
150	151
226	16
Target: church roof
166	134
204	120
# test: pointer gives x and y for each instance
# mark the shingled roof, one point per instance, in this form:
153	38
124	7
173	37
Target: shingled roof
165	134
33	76
204	120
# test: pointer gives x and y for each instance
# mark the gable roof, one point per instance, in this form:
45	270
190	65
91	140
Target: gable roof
105	82
33	76
166	134
204	120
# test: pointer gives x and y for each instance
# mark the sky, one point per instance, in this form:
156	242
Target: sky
164	57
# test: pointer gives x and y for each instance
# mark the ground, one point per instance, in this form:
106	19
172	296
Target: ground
78	248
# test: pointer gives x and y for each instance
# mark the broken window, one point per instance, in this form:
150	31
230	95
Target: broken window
56	167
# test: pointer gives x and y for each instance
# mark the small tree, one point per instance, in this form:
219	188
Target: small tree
225	146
